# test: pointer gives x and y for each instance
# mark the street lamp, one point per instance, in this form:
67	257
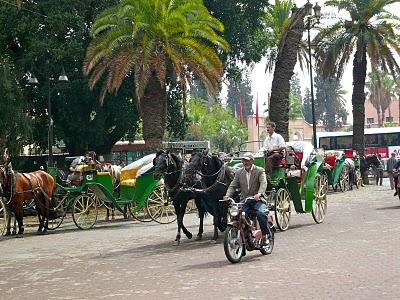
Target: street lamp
311	21
33	80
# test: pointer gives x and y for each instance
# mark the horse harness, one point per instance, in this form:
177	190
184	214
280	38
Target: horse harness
220	178
11	191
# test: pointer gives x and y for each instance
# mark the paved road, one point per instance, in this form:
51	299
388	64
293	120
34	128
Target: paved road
354	254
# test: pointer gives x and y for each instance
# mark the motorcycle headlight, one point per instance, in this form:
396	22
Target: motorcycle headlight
234	211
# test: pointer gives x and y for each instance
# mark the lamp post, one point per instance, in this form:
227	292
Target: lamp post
311	21
33	80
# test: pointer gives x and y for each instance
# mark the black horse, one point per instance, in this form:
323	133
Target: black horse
215	180
170	166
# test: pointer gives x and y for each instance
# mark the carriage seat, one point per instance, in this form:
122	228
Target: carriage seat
128	182
299	155
81	168
330	160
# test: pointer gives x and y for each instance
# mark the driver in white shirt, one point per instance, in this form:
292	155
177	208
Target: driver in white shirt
273	144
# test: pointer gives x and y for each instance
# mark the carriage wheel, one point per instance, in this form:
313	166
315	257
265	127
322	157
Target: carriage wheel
159	209
3	217
358	179
191	206
142	215
57	207
319	200
84	211
282	209
344	179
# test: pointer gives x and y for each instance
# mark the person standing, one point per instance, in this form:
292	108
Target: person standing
273	144
379	170
389	168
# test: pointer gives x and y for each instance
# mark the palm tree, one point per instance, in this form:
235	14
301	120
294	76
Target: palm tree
276	21
368	33
380	87
150	39
286	59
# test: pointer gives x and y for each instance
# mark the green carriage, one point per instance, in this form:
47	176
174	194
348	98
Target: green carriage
307	192
137	189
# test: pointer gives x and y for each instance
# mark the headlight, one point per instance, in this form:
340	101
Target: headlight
234	211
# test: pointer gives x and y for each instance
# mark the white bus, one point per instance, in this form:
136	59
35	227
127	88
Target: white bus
381	141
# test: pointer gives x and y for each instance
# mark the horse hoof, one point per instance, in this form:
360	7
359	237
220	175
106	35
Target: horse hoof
19	235
7	233
189	235
198	238
213	241
44	232
177	242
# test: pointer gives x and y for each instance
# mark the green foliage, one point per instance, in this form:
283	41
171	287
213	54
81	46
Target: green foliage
15	125
295	99
217	125
242	88
244	29
330	103
152	39
61	37
276	21
177	121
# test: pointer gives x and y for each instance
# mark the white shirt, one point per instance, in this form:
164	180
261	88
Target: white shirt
248	174
304	147
274	141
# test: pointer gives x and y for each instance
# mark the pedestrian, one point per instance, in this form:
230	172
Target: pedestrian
379	170
389	168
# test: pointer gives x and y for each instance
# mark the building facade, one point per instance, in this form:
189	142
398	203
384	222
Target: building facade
391	114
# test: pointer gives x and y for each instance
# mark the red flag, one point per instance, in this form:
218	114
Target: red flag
257	115
241	109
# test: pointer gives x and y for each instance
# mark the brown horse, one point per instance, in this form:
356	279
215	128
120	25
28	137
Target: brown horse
18	187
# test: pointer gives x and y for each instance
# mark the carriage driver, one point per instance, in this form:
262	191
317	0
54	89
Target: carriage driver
273	144
251	182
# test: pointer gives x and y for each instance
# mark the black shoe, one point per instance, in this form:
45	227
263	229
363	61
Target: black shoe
395	193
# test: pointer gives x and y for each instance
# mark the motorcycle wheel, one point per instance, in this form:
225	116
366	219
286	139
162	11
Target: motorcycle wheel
268	249
233	245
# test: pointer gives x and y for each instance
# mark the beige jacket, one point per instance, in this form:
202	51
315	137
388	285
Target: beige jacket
257	184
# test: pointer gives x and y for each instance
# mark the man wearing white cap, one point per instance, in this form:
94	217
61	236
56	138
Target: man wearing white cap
251	182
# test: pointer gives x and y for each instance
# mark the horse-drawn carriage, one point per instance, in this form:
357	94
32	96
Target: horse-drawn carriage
136	189
285	187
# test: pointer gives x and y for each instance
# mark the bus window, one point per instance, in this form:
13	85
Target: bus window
371	140
389	139
344	142
325	143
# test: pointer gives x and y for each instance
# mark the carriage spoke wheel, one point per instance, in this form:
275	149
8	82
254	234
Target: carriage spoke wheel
3	217
358	179
84	211
58	200
282	209
158	208
142	215
319	206
344	179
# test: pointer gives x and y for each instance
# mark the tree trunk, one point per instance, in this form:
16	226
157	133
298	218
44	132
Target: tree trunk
284	66
358	98
378	112
153	105
383	111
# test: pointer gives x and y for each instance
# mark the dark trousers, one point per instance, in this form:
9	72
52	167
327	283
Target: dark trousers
261	211
379	176
272	161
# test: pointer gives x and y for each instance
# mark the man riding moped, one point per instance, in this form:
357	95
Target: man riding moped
251	182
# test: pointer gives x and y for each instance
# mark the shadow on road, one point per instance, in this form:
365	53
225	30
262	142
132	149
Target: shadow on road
249	258
388	207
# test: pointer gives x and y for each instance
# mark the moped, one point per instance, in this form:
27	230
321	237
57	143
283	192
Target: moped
243	233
